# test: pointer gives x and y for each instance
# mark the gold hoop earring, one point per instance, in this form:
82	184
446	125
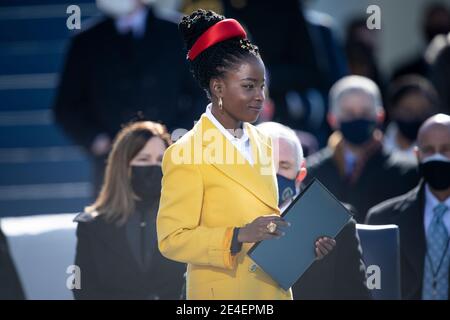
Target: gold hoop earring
220	103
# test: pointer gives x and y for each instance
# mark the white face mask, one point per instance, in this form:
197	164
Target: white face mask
436	157
117	8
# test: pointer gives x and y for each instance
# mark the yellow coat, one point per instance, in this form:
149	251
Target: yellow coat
207	190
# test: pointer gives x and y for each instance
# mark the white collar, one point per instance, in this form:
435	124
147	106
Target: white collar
243	139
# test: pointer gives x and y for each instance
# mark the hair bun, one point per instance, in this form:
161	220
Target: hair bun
194	25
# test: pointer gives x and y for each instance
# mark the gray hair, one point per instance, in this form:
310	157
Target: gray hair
354	84
276	130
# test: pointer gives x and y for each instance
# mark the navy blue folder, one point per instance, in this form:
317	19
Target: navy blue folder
313	214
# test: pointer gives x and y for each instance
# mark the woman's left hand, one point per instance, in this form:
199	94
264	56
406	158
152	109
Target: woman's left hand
324	246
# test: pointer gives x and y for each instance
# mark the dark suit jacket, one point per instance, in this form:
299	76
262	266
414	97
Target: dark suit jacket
383	177
110	271
406	211
339	275
108	78
10	287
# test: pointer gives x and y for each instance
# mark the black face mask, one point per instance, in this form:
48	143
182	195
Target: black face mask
436	172
146	182
409	129
358	131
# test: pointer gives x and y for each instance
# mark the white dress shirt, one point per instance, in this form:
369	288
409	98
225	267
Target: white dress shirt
430	203
135	23
242	144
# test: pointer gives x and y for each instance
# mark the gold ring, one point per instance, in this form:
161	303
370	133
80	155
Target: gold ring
272	227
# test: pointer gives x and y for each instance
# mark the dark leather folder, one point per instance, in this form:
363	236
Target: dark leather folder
313	214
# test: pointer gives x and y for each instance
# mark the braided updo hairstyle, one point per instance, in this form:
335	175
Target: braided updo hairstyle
217	59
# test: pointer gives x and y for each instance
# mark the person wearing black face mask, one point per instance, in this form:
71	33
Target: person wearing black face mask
117	249
339	275
146	183
412	100
354	166
423	217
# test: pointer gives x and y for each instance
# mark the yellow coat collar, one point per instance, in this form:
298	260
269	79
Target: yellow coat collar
258	179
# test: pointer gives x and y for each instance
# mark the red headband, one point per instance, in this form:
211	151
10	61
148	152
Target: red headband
221	31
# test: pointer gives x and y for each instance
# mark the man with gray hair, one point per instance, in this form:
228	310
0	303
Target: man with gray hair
354	166
288	159
340	274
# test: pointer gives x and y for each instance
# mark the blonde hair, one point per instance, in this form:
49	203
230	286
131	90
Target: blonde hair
116	201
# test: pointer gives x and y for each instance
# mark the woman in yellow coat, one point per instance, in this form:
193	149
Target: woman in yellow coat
219	192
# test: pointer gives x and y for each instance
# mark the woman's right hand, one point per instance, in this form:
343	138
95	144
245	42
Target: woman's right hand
257	230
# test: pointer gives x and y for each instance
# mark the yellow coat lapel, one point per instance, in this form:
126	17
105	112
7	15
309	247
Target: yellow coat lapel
222	154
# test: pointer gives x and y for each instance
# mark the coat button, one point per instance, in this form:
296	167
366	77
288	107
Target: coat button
252	268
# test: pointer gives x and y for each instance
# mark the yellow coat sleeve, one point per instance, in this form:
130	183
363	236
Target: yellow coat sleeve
180	235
